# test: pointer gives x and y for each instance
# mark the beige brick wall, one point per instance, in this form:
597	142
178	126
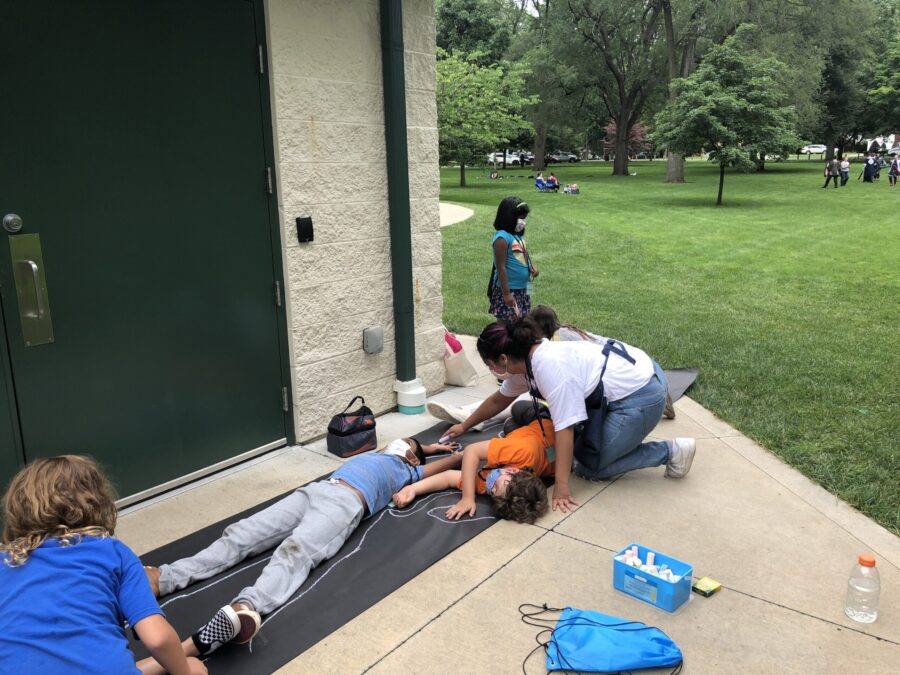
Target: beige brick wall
329	141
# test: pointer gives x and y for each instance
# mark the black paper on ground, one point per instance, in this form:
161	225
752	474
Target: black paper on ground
680	380
387	550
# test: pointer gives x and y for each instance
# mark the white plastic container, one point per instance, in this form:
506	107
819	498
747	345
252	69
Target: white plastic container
863	590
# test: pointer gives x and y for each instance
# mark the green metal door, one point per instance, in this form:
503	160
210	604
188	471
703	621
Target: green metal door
135	140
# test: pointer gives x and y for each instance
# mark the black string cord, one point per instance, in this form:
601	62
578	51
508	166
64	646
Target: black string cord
534	619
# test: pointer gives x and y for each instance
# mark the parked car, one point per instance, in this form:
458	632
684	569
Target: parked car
512	158
814	149
562	156
643	155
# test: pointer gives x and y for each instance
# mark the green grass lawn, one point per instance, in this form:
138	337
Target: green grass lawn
787	298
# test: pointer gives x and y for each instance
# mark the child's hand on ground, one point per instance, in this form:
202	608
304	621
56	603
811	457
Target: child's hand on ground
562	500
464	507
404	497
196	667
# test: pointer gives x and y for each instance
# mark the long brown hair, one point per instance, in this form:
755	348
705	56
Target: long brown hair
65	498
545	317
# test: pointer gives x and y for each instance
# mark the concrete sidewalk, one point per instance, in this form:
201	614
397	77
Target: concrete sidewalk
781	546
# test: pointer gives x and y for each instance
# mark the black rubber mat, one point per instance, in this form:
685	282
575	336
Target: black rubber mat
387	550
680	380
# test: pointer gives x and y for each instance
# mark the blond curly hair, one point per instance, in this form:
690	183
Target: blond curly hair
64	498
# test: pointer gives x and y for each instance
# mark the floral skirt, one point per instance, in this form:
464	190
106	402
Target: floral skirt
502	311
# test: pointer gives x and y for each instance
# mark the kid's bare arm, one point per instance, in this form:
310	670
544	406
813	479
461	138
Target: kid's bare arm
501	249
162	642
442	481
441	465
472	457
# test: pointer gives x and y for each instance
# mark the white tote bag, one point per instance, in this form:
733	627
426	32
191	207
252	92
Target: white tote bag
460	372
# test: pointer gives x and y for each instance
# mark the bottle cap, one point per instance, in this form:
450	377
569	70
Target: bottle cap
867	560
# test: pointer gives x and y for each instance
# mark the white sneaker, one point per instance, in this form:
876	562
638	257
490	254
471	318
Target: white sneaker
450	413
681	457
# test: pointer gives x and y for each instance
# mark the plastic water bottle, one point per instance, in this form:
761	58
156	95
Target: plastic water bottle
862	590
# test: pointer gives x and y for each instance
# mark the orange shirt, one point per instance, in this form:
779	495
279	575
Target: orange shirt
524	448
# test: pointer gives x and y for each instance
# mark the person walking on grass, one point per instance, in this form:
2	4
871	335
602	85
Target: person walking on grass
68	586
509	288
603	400
308	526
894	171
832	172
845	171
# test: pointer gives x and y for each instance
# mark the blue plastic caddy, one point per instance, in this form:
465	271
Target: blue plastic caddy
666	595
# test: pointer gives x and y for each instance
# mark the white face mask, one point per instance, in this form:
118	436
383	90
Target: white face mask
500	376
397	447
520	225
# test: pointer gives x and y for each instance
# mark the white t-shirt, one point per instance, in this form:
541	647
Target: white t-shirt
567	372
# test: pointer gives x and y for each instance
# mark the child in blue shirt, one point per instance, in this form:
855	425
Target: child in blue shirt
510	284
309	526
67	587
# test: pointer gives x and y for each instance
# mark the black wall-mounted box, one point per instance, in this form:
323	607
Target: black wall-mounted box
304	229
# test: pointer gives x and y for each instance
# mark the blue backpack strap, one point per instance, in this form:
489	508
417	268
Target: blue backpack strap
616	348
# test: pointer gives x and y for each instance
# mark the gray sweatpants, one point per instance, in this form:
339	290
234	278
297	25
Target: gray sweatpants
311	524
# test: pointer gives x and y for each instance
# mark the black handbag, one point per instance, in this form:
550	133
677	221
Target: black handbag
351	433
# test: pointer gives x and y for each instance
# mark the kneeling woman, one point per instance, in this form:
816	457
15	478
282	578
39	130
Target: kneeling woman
603	398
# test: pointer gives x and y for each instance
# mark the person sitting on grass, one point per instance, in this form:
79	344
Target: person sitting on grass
309	526
67	585
552	182
512	474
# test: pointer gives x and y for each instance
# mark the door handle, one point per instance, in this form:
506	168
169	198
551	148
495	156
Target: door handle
31	270
31	289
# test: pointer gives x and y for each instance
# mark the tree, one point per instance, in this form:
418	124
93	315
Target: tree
471	26
883	100
733	104
626	62
565	102
637	139
479	107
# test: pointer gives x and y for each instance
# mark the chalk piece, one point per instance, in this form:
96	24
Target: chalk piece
705	586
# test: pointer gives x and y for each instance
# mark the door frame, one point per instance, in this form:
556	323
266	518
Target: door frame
275	229
275	239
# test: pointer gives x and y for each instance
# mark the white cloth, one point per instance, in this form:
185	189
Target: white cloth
567	372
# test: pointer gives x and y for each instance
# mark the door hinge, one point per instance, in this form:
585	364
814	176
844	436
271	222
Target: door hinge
278	294
262	67
269	179
284	399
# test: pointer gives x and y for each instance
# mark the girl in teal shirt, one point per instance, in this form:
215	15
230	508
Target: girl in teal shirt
510	286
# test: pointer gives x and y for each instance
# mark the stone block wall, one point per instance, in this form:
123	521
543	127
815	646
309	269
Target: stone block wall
328	108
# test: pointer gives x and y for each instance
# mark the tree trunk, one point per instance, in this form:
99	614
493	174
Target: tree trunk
829	152
540	146
462	174
674	168
623	131
761	162
674	161
721	183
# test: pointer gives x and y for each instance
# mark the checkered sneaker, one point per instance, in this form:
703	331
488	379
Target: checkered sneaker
222	628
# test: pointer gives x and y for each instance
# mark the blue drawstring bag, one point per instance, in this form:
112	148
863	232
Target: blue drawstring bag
588	641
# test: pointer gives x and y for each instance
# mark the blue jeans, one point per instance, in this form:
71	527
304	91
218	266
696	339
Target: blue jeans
626	424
